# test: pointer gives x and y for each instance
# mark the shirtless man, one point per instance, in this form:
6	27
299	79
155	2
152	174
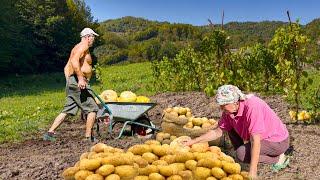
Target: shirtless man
78	71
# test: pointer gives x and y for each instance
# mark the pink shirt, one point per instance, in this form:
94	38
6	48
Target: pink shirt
255	117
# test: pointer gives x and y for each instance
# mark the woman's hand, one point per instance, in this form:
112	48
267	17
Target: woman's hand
189	143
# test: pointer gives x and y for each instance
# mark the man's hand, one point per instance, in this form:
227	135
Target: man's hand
82	84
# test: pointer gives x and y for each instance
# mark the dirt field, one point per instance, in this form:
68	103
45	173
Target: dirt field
36	159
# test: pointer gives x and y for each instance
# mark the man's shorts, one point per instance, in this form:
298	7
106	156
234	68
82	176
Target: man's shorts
78	98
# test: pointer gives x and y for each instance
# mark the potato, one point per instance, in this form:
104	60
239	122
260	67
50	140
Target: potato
211	155
191	165
173	138
245	175
169	158
188	114
212	121
168	170
118	159
176	109
184	156
150	142
126	171
178	142
215	149
139	149
211	178
109	149
82	174
201	173
148	170
95	177
182	111
90	164
84	155
224	157
166	141
196	127
226	178
231	168
166	136
140	161
160	162
168	110
141	178
197	121
200	147
188	125
105	170
175	177
218	172
204	120
156	176
77	164
159	136
179	166
91	155
206	125
159	150
112	177
208	163
186	175
99	147
69	173
150	157
235	177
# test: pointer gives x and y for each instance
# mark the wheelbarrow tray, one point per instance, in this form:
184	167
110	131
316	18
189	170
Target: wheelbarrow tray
124	111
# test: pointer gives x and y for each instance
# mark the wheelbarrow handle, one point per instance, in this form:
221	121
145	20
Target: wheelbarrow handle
104	105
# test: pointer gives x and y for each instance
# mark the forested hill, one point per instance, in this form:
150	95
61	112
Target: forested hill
137	39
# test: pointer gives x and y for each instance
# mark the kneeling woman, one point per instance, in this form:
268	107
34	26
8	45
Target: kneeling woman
256	132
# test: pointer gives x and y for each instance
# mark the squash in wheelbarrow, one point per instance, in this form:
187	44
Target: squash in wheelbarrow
109	96
127	96
142	99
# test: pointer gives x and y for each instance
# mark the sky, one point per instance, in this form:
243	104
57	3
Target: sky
197	12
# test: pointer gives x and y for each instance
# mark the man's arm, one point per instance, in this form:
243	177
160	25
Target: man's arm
255	154
209	136
75	62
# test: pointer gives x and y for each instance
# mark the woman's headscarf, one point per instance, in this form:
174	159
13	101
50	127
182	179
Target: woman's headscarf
228	94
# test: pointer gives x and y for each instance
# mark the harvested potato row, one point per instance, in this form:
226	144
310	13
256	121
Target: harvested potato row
164	138
198	123
155	161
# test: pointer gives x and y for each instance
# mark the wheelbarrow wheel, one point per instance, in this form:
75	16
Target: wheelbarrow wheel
116	129
140	130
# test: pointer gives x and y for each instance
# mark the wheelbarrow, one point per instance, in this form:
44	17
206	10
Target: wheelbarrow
127	113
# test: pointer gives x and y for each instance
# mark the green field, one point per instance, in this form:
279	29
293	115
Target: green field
30	103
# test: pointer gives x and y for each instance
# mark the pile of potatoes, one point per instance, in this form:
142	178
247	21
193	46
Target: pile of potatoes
183	116
165	138
199	123
154	161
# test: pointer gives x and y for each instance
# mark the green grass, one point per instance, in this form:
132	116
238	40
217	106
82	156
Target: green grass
29	104
308	93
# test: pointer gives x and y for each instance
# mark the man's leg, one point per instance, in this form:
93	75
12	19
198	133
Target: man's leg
57	122
90	122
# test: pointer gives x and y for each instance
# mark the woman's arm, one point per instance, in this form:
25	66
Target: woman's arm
209	136
255	154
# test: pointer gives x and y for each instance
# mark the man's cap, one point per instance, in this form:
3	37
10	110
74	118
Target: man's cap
88	31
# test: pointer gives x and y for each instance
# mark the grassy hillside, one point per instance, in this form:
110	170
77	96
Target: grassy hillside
30	103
